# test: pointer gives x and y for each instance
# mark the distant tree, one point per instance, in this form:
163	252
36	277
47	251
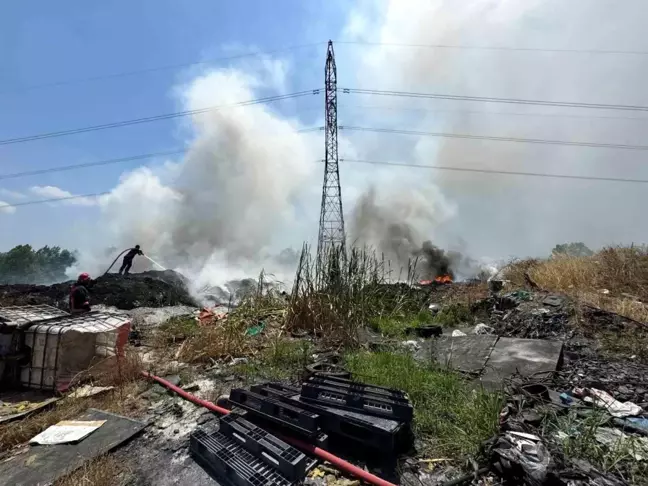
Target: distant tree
23	264
574	249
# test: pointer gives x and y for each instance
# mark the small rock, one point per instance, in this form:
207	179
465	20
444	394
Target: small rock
458	333
157	389
176	431
205	418
531	417
173	379
624	390
230	378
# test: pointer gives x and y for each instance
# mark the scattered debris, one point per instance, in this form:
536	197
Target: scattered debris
89	391
617	440
483	329
605	400
67	431
458	333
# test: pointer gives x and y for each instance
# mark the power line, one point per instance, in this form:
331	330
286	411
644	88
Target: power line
377	162
486	99
496	139
63	168
54	199
498	113
495	48
158	68
503	172
88	164
149	119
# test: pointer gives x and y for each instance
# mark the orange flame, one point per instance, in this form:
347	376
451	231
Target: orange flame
443	279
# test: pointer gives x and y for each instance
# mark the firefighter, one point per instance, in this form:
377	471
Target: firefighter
128	259
79	294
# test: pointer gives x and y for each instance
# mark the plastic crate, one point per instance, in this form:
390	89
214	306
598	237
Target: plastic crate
274	389
231	462
280	413
368	403
373	433
359	387
265	446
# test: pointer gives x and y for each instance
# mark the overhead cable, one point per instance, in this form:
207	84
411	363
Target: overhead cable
135	72
488	99
495	139
492	171
166	116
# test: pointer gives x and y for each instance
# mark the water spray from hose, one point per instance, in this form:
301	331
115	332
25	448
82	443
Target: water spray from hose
154	262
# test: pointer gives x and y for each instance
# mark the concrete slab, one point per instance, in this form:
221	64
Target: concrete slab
525	356
464	353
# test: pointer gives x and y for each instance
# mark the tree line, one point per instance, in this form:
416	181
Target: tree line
24	264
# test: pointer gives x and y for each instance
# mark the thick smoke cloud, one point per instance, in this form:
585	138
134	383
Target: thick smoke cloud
506	215
215	213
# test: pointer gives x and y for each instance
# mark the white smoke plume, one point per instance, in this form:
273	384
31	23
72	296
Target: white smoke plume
214	214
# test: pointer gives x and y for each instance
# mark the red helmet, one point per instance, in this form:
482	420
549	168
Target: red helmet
84	277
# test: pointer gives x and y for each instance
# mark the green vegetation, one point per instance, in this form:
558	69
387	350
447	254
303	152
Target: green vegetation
450	417
343	293
177	328
397	326
282	360
578	437
24	265
453	315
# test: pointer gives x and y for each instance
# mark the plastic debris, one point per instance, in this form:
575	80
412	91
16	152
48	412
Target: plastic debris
483	329
605	400
255	330
67	431
411	345
615	439
604	291
458	333
434	308
527	452
89	391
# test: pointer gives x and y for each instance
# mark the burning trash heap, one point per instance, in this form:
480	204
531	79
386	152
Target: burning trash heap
146	289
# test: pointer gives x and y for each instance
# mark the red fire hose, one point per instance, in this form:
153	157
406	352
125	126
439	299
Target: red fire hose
311	449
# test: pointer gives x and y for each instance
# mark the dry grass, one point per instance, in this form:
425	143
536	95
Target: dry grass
621	270
334	299
102	471
227	337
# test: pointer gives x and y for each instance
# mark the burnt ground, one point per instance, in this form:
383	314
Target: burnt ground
146	289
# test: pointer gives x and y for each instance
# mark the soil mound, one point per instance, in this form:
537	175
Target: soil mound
146	289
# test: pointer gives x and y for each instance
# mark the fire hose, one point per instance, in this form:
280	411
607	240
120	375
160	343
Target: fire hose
115	260
309	448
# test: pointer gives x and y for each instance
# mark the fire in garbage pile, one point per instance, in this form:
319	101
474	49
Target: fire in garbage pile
146	289
440	280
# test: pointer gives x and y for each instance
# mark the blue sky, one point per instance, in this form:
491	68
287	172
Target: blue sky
46	42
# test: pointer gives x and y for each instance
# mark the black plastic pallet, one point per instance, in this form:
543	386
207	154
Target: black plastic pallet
231	462
356	401
300	420
375	433
288	460
275	389
359	387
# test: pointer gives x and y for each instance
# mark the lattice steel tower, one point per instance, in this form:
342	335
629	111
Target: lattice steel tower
331	226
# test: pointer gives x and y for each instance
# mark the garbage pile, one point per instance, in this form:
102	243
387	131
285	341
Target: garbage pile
146	289
249	447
